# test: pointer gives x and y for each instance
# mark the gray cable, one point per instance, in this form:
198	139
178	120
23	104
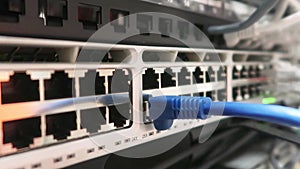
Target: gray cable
263	9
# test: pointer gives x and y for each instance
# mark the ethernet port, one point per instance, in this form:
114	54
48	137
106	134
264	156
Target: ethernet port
244	72
198	76
10	10
59	86
210	75
119	82
252	72
60	125
53	12
150	80
89	16
184	77
165	27
236	74
21	132
245	92
20	88
258	71
252	91
258	89
119	20
222	74
92	119
119	114
235	93
168	78
210	94
221	95
144	23
91	81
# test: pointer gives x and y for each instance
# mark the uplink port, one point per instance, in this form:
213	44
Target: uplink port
60	125
168	78
21	132
119	20
20	88
59	86
183	28
150	80
144	23
198	76
119	114
184	77
10	10
119	82
92	119
89	16
165	26
91	81
53	12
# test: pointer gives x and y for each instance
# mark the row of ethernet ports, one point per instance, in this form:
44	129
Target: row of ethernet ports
21	88
21	133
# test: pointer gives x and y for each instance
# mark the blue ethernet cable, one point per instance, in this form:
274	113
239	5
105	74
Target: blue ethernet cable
165	109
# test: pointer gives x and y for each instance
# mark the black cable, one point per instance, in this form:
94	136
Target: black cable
273	131
172	160
263	9
241	142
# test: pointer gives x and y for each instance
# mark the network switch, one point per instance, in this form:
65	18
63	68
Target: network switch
77	79
55	82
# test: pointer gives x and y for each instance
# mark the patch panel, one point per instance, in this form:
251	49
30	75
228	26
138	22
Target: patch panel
125	122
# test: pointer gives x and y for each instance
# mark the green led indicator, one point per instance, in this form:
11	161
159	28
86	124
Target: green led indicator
269	100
